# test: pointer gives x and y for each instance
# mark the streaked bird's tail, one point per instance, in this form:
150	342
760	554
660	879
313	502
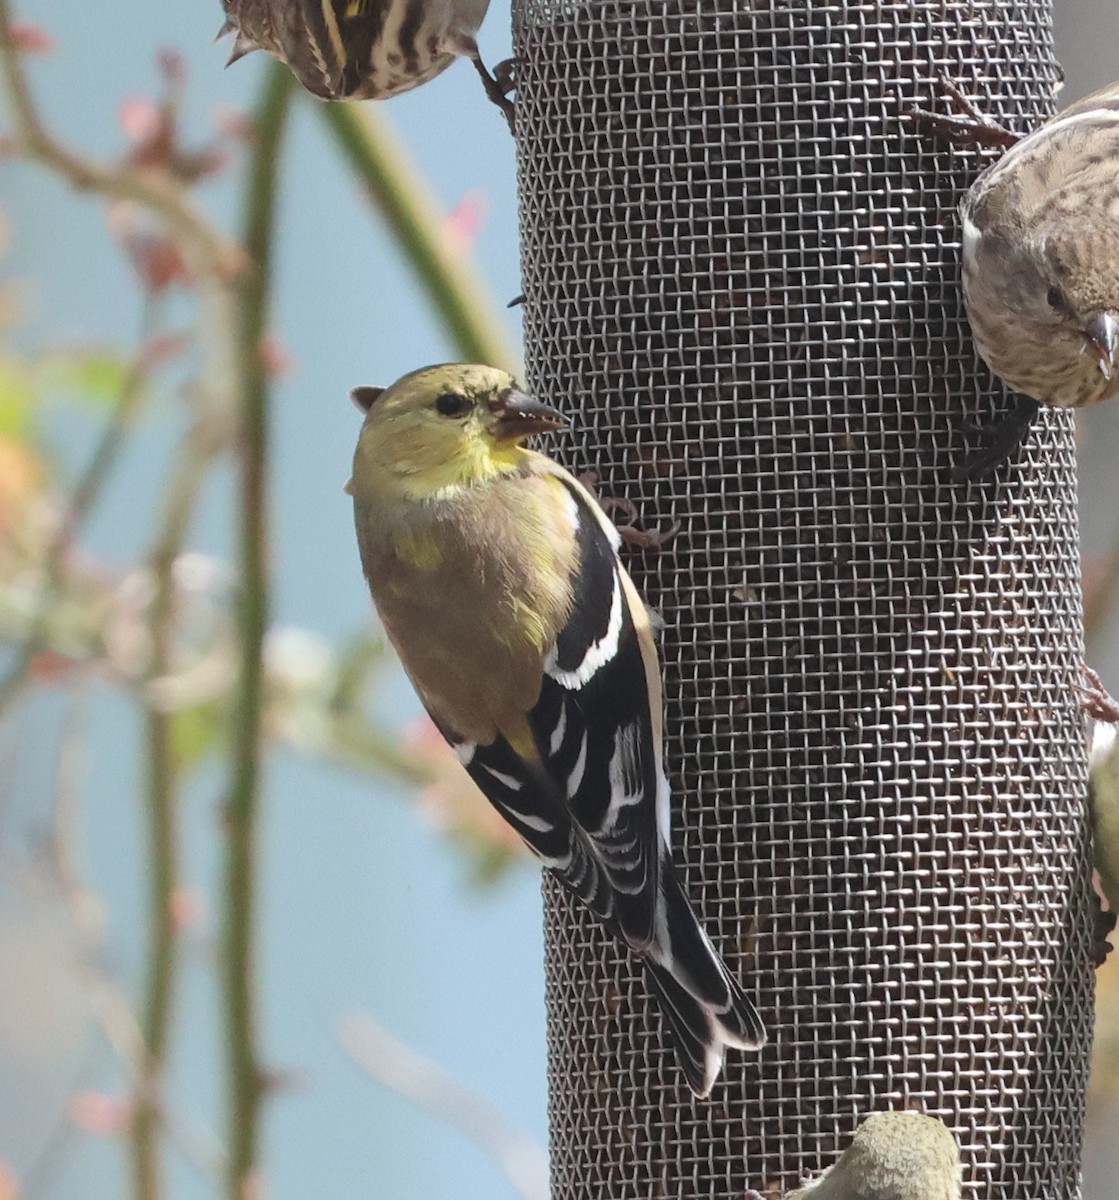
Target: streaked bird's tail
702	1003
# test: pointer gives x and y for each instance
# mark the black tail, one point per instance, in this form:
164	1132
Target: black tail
704	1006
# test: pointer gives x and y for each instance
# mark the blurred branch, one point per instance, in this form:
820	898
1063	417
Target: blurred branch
58	873
163	787
428	1085
353	738
324	711
205	251
212	261
147	1172
246	1078
61	876
85	495
400	194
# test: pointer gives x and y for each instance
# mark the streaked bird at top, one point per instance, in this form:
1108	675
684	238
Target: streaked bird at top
1041	255
362	49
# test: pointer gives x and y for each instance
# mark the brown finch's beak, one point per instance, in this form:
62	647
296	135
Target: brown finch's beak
241	46
1103	332
520	415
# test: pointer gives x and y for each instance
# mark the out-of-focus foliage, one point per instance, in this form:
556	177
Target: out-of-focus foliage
167	626
95	619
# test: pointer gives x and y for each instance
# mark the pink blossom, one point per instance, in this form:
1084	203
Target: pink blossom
31	39
97	1113
465	221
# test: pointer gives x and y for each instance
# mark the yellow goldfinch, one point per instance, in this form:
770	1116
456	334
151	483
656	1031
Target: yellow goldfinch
497	579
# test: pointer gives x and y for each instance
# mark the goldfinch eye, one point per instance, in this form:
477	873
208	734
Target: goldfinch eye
1055	298
450	404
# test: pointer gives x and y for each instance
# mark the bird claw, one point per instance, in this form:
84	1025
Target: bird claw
621	505
648	539
497	89
505	75
1098	702
967	127
1000	439
642	539
1103	925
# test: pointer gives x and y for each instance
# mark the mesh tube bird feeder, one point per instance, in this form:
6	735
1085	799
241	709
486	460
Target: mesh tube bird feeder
741	271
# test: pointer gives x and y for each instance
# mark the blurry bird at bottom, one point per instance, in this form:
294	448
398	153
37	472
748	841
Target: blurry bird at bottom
1041	260
363	49
497	579
893	1156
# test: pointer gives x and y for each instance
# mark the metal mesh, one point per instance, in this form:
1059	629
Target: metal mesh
741	272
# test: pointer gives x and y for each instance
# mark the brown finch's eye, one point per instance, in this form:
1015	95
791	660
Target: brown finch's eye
450	404
1055	298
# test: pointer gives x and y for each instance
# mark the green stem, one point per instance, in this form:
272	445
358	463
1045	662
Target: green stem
245	1073
417	226
205	251
163	787
147	1166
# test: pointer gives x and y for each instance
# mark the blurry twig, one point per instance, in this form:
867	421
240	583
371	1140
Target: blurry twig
61	871
114	1012
381	163
205	251
37	1178
425	1083
86	493
212	261
57	872
163	784
233	288
246	1078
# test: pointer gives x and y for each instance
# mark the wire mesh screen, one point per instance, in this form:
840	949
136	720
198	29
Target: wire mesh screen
741	271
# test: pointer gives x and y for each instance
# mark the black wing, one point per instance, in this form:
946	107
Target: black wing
594	803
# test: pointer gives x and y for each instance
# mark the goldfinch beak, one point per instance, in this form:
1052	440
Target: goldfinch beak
520	415
1103	332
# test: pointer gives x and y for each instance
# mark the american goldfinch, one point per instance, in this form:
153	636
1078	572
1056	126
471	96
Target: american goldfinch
362	49
1041	257
893	1156
496	576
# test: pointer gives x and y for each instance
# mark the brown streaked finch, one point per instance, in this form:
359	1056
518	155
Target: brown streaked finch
363	49
1041	260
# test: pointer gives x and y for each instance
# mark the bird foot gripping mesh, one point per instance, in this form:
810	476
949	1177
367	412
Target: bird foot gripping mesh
741	271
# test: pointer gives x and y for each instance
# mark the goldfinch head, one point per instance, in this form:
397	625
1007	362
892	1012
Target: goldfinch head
451	425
